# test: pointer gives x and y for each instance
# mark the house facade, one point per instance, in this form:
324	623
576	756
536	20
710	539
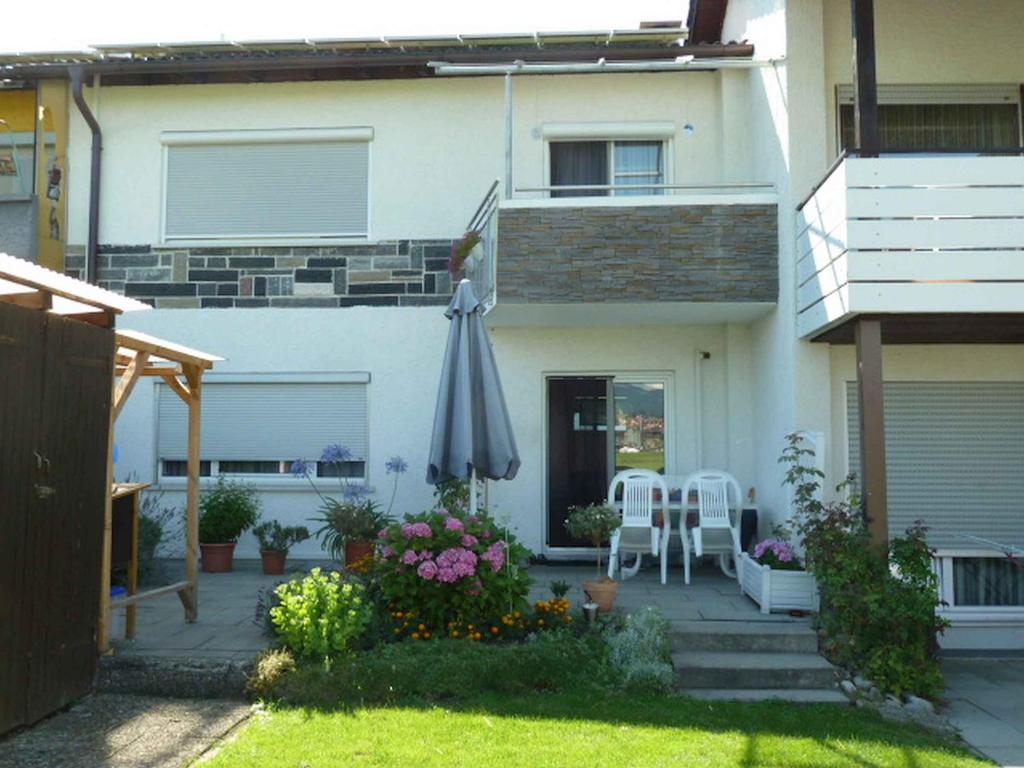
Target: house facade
677	257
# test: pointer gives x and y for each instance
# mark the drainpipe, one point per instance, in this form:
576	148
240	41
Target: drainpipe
92	246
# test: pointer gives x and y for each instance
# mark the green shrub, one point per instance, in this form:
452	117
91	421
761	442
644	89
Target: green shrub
275	537
354	519
640	651
447	566
877	609
441	670
227	510
320	615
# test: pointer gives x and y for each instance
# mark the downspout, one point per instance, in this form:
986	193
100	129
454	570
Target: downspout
92	246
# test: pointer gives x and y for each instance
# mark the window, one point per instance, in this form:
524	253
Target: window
967	119
267	184
987	581
620	164
639	426
257	428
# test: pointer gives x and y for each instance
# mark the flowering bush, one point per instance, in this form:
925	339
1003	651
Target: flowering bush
777	554
440	566
320	614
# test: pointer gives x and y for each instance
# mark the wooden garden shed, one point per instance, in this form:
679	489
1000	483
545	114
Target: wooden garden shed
59	356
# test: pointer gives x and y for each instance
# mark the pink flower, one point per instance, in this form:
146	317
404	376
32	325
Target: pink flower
409	557
453	524
472	520
469	540
456	563
495	554
427	570
382	533
414	530
486	534
387	552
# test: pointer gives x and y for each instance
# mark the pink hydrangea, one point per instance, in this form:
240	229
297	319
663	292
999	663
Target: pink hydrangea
453	524
472	519
427	570
387	552
414	530
383	533
469	540
409	557
485	534
495	555
456	563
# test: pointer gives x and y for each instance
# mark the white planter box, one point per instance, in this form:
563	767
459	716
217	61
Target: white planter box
777	590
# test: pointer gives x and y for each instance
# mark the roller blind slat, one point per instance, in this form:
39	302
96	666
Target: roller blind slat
312	189
955	456
271	421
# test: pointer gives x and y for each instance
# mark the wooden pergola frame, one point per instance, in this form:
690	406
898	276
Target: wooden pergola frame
181	368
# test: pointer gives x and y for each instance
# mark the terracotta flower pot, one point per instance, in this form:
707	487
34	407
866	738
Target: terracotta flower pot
217	558
273	561
357	550
603	593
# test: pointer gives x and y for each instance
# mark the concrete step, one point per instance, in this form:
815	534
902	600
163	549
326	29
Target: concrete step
173	677
742	636
795	696
730	670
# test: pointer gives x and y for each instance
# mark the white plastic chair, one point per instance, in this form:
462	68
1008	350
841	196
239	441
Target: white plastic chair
638	533
718	493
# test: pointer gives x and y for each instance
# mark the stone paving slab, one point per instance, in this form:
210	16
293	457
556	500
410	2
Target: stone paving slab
986	703
120	731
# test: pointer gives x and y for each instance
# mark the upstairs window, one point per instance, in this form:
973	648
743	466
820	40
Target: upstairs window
243	185
939	119
608	167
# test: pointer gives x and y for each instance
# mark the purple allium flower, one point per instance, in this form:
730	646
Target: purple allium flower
453	524
300	468
336	454
427	570
396	465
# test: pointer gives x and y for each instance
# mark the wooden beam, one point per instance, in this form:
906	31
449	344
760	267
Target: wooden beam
128	381
103	620
33	300
874	488
102	319
138	597
865	81
141	342
175	383
153	370
194	376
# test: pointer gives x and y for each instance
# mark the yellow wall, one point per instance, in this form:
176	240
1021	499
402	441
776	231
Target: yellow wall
51	173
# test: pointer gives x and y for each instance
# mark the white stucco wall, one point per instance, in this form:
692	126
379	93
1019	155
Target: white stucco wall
437	146
401	348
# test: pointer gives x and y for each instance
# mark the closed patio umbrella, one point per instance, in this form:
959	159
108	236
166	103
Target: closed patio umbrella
472	432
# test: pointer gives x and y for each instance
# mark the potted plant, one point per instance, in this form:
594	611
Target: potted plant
275	541
350	526
225	511
775	578
596	523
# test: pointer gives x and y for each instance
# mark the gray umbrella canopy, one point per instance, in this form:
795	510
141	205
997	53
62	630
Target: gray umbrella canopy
472	431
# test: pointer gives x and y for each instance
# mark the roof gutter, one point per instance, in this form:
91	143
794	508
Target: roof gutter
679	64
92	247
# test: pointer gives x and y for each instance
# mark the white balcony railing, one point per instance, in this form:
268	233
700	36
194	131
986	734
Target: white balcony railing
923	234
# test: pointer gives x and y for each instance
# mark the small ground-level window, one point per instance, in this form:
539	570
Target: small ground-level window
987	581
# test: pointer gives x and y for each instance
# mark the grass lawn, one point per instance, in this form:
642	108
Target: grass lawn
568	729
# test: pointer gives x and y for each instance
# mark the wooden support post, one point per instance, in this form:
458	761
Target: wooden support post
103	620
130	614
193	375
865	81
127	382
868	336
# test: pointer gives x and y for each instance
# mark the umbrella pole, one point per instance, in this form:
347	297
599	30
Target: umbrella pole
472	491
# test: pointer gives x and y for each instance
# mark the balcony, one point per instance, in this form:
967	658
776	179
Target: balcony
911	236
705	254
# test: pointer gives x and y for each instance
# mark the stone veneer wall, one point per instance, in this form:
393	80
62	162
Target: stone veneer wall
392	273
596	254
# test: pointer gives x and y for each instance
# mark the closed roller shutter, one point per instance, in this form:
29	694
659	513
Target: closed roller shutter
266	421
955	453
270	189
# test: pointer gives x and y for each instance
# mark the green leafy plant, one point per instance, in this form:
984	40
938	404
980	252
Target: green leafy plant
559	588
452	495
156	523
447	566
226	511
275	537
877	608
640	651
320	615
352	519
595	523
